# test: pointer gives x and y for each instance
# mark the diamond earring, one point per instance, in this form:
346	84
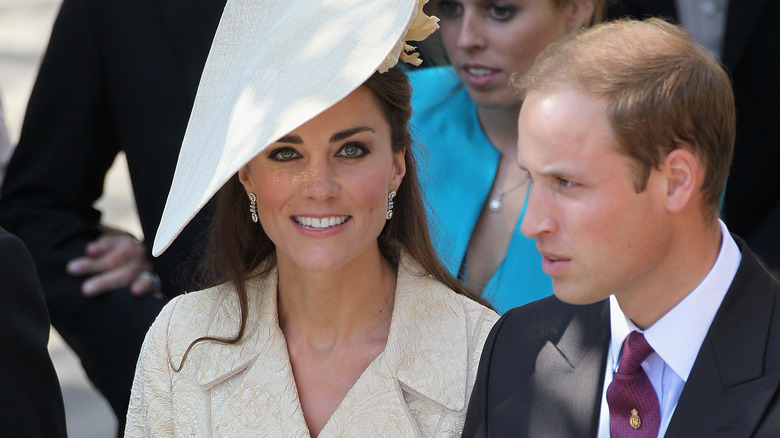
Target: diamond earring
390	204
253	207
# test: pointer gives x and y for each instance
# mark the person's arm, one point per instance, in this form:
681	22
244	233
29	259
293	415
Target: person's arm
32	400
57	172
5	144
476	424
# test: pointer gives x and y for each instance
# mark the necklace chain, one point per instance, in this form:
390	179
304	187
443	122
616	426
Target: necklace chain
496	204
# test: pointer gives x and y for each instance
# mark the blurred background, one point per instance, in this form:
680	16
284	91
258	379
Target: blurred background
25	26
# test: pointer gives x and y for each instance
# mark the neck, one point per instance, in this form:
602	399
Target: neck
327	309
500	127
682	270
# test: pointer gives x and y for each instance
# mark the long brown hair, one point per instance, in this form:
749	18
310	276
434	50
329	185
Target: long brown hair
239	248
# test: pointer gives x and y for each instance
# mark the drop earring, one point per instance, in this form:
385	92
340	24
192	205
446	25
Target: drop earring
253	207
390	204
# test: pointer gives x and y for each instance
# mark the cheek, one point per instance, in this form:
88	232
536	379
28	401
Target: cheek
449	30
272	193
370	192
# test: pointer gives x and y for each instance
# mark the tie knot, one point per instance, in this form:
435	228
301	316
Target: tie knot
635	351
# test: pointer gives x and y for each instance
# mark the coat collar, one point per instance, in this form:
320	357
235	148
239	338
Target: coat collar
433	366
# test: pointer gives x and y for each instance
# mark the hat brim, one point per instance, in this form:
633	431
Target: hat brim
273	65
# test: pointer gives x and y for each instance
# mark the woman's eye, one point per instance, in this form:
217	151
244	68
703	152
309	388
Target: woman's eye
501	12
284	154
449	8
352	150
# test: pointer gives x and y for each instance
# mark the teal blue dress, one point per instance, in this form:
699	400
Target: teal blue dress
457	167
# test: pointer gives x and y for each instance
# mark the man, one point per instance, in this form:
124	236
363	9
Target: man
744	35
29	390
627	131
118	75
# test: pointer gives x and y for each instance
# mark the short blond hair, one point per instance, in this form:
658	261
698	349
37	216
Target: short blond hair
661	90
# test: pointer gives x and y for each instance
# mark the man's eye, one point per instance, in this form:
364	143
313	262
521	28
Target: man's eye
565	183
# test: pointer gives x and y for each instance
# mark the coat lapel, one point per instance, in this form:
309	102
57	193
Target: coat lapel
251	384
256	372
433	366
729	389
572	375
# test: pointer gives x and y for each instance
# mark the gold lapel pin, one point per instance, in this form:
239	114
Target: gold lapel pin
635	421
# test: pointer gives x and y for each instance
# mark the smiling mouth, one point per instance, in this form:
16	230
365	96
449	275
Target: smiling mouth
478	71
314	223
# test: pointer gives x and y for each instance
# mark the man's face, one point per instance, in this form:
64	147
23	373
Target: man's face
596	234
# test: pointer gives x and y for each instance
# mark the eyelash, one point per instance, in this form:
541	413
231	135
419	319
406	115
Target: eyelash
276	154
362	150
453	9
566	184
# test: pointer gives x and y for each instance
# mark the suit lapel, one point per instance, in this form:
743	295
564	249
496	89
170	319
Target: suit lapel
740	27
571	376
728	389
190	29
250	384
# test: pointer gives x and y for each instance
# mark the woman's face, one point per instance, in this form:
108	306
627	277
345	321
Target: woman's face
487	41
322	189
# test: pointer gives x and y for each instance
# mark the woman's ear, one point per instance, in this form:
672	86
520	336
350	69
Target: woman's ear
579	13
245	177
399	169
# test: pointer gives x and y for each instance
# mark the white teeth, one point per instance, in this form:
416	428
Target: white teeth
314	223
480	71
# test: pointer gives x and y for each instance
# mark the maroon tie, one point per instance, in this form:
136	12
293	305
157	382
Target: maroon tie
633	404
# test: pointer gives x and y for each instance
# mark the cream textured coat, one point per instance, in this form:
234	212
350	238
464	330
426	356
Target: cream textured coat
418	387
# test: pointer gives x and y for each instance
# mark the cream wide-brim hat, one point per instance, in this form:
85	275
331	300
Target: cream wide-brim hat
274	65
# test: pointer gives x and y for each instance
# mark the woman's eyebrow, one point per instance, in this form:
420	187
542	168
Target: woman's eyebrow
349	133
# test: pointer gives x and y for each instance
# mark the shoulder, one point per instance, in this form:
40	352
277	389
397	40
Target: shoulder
188	317
528	328
433	86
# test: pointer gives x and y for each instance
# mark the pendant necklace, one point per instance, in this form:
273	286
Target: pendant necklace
497	203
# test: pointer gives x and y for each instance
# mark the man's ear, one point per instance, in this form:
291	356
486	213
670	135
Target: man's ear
681	171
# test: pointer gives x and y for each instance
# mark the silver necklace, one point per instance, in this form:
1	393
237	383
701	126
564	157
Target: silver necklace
496	204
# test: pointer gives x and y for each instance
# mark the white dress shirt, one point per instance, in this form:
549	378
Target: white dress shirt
676	337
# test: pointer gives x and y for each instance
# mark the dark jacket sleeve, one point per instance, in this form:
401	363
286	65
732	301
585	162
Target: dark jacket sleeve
477	414
32	398
65	149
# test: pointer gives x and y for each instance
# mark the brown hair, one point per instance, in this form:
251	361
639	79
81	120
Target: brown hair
662	92
238	248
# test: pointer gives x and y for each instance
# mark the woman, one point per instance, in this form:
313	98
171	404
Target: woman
334	317
465	118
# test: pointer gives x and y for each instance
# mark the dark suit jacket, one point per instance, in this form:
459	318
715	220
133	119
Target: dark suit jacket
751	55
118	75
542	369
32	401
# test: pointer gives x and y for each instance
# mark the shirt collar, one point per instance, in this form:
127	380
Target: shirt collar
678	335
